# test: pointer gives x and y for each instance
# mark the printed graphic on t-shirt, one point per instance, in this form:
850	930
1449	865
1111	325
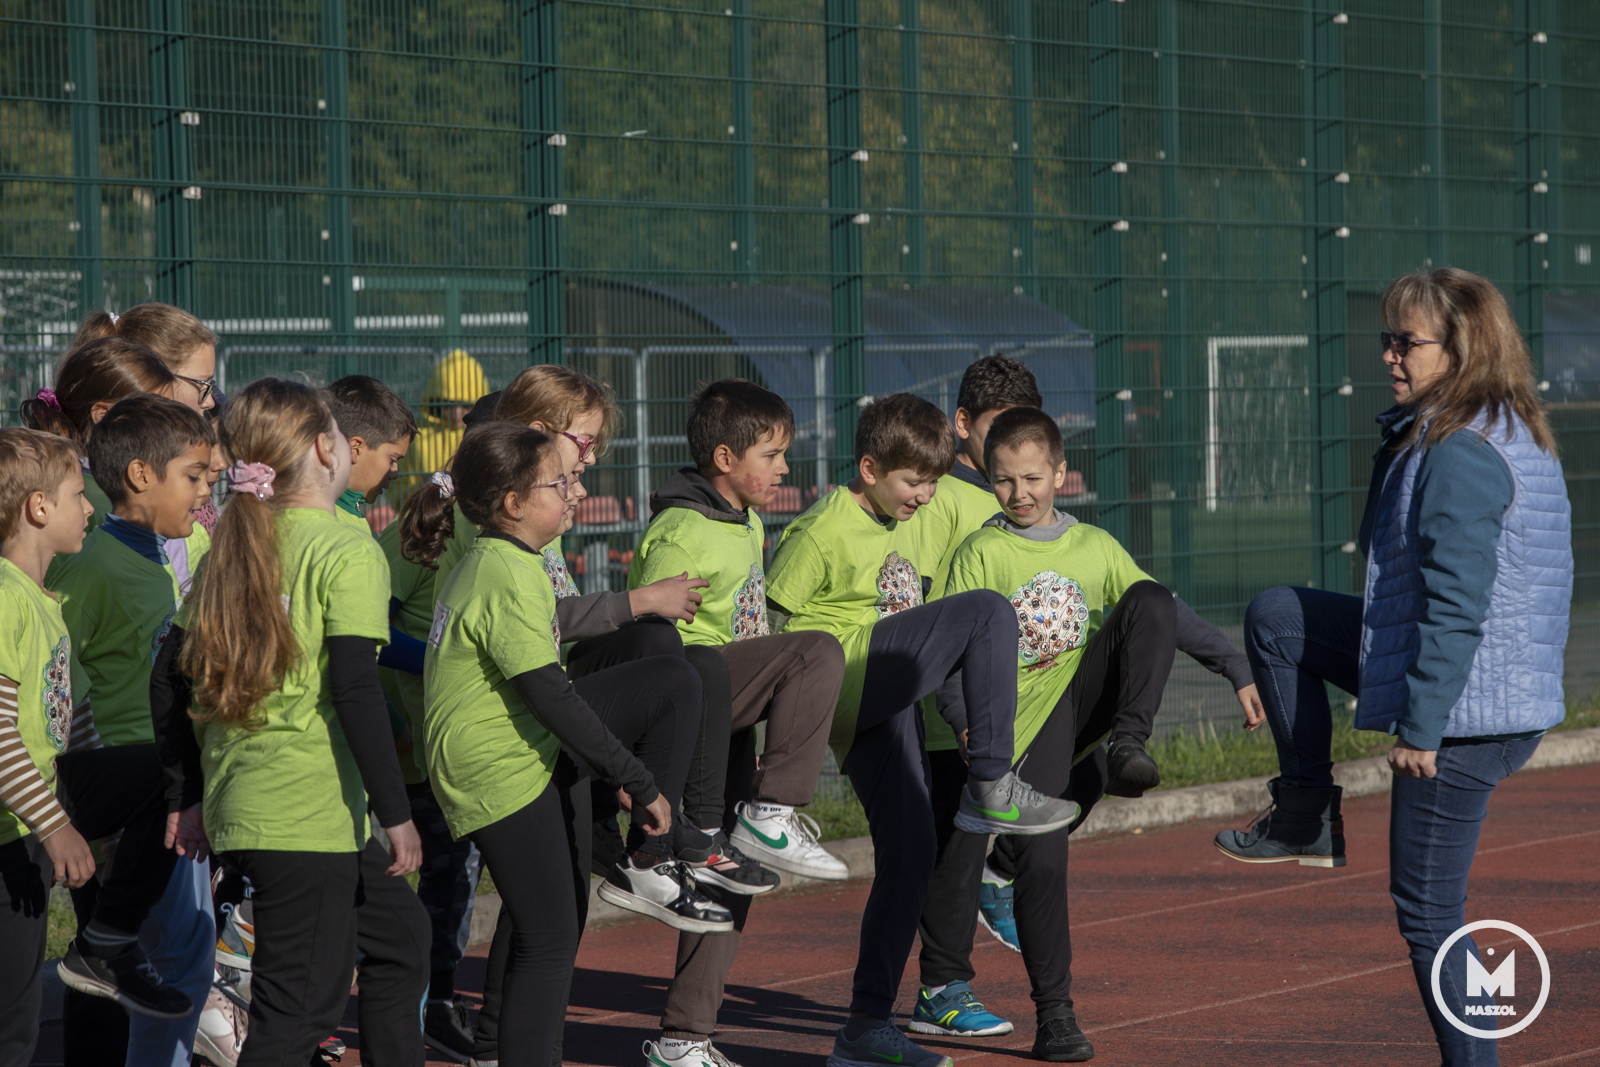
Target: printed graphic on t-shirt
441	619
555	568
57	694
899	586
160	637
1051	618
750	606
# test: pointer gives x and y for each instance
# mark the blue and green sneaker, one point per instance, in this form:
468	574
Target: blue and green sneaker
955	1012
880	1045
996	914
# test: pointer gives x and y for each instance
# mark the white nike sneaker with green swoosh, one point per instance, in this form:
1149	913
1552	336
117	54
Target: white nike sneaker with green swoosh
699	1054
1011	806
786	840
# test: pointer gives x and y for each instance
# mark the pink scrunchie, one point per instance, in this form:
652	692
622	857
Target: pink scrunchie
251	478
48	396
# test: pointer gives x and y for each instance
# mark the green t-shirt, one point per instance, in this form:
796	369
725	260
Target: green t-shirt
289	782
36	653
118	606
1061	591
412	584
98	499
348	511
839	570
488	755
726	554
466	533
956	511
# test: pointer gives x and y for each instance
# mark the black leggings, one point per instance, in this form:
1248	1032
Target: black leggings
1115	691
653	707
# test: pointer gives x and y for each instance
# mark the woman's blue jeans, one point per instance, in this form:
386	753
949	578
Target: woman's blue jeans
1299	639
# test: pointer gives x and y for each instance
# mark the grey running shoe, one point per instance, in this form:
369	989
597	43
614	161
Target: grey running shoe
885	1044
1011	806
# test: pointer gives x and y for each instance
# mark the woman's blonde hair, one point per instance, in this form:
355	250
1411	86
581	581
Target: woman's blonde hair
171	333
1489	370
240	643
558	396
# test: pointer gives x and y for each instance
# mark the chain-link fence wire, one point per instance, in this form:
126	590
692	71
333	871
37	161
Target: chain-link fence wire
1179	212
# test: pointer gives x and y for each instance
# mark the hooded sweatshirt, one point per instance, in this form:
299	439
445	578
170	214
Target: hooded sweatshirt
457	381
694	530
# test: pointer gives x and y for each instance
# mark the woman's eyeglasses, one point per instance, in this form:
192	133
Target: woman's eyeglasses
205	385
585	448
1400	344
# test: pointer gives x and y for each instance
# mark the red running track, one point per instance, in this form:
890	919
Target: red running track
1181	956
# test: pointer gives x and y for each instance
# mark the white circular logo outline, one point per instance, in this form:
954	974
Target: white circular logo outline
1521	1024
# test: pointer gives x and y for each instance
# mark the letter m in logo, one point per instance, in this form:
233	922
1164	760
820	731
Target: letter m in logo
1480	983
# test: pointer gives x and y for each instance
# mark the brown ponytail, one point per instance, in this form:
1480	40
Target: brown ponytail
102	371
428	523
240	643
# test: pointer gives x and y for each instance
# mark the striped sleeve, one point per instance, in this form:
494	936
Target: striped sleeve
84	735
21	788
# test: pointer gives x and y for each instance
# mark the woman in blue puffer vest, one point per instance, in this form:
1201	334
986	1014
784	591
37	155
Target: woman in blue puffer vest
1456	647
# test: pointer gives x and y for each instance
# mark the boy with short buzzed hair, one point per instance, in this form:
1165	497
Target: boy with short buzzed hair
853	565
704	523
58	790
1097	638
151	456
379	426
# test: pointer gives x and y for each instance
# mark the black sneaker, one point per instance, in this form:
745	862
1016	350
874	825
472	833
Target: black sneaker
1130	770
447	1029
609	849
665	891
733	871
1059	1040
126	978
692	845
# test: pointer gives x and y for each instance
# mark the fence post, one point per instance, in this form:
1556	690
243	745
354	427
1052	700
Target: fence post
1179	414
341	245
1105	194
1326	312
845	219
172	160
82	68
542	114
1433	116
1025	264
1532	248
740	70
916	243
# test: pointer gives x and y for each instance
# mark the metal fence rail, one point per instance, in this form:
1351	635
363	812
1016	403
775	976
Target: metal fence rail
1180	211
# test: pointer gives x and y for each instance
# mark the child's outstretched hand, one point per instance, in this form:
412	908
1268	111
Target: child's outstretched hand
186	833
1254	713
405	849
70	855
671	598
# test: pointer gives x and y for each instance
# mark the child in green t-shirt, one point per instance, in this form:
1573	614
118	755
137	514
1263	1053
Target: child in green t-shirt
852	565
49	750
152	457
1096	643
704	523
964	502
288	746
499	709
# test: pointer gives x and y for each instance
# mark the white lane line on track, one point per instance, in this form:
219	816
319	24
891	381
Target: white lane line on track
1309	884
1565	1059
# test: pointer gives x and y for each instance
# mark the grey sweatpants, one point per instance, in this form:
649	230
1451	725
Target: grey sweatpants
789	681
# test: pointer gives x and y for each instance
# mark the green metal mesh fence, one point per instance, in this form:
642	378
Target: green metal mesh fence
1180	212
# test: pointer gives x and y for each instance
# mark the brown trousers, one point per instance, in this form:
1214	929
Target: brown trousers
790	681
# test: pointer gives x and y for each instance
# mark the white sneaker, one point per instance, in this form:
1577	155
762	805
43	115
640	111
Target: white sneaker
699	1054
224	1022
665	891
787	840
